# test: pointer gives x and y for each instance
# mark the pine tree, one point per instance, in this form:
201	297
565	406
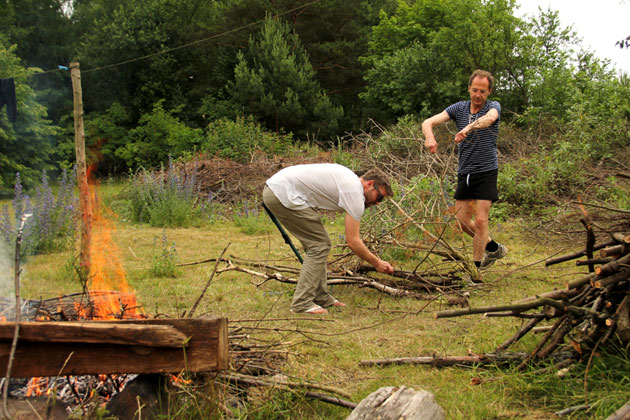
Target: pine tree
275	81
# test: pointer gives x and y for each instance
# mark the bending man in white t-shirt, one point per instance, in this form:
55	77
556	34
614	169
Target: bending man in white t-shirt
295	193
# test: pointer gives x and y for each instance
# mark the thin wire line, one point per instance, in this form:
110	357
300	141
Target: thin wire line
198	41
48	71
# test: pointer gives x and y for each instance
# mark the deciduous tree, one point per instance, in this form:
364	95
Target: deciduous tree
25	145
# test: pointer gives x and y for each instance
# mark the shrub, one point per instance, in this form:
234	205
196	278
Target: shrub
597	117
239	140
544	176
251	221
164	198
527	183
158	136
53	224
163	264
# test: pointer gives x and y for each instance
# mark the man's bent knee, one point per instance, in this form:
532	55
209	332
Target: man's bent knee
321	249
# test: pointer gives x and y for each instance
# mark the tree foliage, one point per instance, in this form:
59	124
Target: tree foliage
25	145
421	55
275	81
169	77
43	36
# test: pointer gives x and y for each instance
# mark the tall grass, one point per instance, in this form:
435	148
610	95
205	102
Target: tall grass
251	220
164	198
54	219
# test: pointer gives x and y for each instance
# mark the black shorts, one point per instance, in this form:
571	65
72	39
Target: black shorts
479	186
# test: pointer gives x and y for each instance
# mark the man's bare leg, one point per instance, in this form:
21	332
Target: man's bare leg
481	239
464	210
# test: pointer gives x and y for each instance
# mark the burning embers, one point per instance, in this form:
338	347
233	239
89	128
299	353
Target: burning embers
109	298
71	390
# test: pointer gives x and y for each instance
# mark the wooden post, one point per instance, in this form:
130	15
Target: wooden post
79	146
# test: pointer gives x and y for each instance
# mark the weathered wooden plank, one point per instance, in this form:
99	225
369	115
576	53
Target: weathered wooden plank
96	332
206	350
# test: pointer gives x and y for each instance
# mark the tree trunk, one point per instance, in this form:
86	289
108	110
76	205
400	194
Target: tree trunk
395	403
622	414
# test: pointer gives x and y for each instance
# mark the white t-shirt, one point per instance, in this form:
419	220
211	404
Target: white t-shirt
325	186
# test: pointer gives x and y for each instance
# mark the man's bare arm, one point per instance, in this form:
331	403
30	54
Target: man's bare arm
353	239
483	122
427	129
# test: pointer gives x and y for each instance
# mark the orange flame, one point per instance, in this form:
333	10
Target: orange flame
584	212
106	272
36	386
179	380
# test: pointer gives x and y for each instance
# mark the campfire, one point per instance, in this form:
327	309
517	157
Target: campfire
89	346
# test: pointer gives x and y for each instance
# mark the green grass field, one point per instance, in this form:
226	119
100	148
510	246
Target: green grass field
328	350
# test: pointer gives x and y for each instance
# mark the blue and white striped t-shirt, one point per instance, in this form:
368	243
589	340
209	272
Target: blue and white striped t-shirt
478	151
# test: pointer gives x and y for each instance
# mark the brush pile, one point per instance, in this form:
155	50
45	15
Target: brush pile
230	182
592	310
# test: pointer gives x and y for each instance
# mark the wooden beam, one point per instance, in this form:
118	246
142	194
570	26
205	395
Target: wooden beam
206	350
96	332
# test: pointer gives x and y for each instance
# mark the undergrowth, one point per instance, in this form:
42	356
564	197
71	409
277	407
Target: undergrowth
162	198
53	216
595	393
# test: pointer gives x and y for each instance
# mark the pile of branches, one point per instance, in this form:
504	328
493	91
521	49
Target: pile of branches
230	182
400	283
259	348
590	311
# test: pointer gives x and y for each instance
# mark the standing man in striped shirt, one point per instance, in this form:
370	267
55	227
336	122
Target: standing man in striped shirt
477	122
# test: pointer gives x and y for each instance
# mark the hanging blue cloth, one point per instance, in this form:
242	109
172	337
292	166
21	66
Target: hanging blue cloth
7	97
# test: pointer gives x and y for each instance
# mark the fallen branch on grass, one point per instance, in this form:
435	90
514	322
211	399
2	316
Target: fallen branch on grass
590	310
275	382
203	292
334	280
623	413
480	359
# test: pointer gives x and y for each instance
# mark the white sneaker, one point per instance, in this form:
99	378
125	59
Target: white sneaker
469	280
490	258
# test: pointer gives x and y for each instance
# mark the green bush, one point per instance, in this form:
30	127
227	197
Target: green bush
598	115
251	220
239	140
526	183
163	264
614	193
164	198
158	135
546	175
